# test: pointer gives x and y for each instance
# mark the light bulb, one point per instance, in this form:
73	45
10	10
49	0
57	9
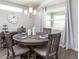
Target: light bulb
34	12
25	12
30	10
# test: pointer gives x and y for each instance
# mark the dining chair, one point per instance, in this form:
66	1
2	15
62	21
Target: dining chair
47	30
51	50
40	33
2	40
14	51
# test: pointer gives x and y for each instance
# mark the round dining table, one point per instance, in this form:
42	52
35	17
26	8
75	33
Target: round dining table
31	40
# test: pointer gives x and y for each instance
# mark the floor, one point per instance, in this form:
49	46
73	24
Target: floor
63	54
67	54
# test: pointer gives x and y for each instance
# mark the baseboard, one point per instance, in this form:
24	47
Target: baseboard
75	49
63	46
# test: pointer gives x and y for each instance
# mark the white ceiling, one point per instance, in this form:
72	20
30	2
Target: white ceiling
35	3
29	3
49	3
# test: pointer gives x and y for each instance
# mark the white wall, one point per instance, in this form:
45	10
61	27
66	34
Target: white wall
23	20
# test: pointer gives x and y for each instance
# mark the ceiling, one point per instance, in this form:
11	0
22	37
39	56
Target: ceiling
50	3
29	3
35	3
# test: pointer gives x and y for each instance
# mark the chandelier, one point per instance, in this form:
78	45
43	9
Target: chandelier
30	11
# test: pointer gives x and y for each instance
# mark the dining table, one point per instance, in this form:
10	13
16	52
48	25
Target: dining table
30	40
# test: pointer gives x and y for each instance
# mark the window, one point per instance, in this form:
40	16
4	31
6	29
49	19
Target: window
58	22
10	8
56	18
25	12
48	21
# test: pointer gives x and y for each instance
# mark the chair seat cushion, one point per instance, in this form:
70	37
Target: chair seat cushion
5	56
20	50
41	51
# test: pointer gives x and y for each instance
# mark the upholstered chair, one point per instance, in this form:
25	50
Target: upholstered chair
14	51
51	50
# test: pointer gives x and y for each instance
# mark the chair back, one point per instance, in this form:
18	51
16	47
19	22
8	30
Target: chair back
47	30
0	41
53	43
10	50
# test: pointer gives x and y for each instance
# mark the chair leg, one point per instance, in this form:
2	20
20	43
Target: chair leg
21	56
7	55
34	56
13	57
47	57
28	57
56	56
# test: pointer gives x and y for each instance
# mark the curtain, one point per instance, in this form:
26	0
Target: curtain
69	34
40	20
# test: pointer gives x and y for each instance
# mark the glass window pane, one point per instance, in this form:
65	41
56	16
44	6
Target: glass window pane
48	24
57	18
25	12
10	8
58	24
60	17
48	17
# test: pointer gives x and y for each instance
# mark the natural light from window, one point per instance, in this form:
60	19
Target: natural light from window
48	21
55	18
59	22
10	8
25	12
59	17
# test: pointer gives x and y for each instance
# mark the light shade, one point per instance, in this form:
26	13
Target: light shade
30	10
25	12
34	12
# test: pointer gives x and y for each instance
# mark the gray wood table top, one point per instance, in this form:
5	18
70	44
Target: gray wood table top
30	40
